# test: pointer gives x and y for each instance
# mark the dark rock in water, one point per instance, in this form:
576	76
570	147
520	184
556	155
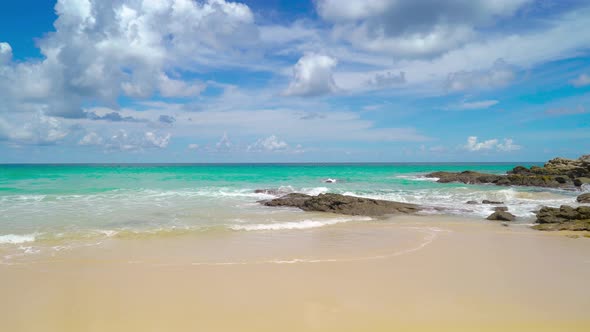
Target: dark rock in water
584	198
500	208
468	177
501	215
556	173
485	201
472	202
578	182
563	218
336	203
274	192
292	200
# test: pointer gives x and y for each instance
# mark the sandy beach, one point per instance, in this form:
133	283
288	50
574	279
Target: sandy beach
424	273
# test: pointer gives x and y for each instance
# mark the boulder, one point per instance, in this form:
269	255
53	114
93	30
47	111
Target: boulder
472	202
500	208
292	200
485	201
563	218
578	182
502	216
584	198
342	204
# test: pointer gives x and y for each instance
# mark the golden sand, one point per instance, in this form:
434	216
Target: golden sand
409	274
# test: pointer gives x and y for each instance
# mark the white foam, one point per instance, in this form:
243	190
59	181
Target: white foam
304	224
417	178
16	239
314	191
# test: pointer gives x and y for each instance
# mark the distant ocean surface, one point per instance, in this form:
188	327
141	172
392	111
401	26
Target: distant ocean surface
63	204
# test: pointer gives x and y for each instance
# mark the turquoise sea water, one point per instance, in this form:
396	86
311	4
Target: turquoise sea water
68	202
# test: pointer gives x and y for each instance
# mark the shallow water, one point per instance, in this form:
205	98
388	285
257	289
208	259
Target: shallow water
54	207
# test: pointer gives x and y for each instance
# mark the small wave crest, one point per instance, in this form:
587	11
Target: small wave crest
16	239
291	225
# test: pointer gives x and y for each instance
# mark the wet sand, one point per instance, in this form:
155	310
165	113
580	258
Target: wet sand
408	274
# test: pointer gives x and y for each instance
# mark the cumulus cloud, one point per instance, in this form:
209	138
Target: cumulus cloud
412	28
102	49
36	128
5	53
124	141
492	144
499	75
312	76
270	143
193	146
580	81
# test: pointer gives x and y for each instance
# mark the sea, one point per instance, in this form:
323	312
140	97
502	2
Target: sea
60	206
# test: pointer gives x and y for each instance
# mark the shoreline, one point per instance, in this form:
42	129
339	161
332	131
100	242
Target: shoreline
409	273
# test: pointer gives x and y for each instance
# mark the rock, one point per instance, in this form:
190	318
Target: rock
563	218
584	198
336	203
485	201
472	202
500	208
292	200
468	177
501	215
329	181
578	182
556	173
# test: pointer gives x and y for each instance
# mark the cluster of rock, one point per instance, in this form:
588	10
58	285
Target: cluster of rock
563	218
342	204
556	173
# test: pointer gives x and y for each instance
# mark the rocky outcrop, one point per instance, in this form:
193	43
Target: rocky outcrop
556	173
501	215
563	218
342	204
584	198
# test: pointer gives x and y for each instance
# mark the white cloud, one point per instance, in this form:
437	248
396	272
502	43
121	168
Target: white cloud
474	105
101	50
36	128
224	143
412	28
5	53
499	75
580	81
491	144
270	143
125	141
508	145
312	76
193	146
178	88
91	139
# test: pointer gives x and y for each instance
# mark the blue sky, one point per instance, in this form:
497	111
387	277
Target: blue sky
291	81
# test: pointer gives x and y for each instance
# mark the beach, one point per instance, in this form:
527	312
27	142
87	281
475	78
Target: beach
185	248
405	274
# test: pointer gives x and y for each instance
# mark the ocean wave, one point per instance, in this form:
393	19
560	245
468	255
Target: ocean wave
292	225
417	178
16	239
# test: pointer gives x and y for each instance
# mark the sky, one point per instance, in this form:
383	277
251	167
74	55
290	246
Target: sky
92	81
